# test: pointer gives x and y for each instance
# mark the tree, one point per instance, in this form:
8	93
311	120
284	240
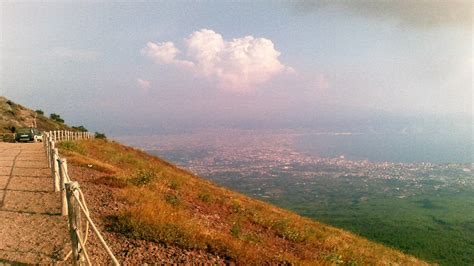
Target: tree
99	135
40	112
56	117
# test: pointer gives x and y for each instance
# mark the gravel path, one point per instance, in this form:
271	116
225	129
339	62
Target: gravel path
32	229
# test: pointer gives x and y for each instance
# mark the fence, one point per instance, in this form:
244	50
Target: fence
72	200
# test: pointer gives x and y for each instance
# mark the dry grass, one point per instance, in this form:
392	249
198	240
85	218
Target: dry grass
169	205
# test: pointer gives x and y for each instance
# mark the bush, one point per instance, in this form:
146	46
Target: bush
40	112
174	184
172	199
99	135
236	229
80	128
56	117
143	177
205	197
8	138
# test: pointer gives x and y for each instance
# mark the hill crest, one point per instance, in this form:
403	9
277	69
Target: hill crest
13	115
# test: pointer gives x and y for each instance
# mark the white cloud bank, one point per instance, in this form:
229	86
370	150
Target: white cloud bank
237	65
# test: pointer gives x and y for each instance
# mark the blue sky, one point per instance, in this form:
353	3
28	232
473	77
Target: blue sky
105	63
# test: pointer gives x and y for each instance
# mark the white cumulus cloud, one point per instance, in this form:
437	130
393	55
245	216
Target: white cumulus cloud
165	53
240	64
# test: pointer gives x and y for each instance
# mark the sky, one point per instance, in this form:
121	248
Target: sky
121	66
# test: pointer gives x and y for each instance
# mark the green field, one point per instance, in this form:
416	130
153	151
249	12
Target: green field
437	227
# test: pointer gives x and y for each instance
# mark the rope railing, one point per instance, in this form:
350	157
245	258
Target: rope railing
73	204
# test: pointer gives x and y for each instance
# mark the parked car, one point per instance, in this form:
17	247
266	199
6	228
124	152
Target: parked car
28	134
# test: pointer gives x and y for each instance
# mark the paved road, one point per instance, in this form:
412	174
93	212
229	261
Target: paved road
31	227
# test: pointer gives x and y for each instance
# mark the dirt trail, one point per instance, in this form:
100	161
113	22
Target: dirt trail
32	229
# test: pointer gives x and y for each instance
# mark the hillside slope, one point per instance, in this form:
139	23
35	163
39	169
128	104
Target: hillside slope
163	204
153	211
16	115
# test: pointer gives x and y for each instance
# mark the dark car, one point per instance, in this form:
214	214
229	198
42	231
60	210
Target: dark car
28	134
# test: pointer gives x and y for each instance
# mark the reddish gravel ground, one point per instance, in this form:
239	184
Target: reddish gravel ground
103	202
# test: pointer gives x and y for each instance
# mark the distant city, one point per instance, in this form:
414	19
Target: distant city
255	162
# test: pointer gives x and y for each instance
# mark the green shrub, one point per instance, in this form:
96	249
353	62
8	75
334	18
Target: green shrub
8	138
56	117
236	229
236	207
99	135
206	197
143	177
172	199
80	128
174	184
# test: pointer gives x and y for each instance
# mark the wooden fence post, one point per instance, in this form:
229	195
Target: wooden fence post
75	225
56	169
43	135
51	150
62	178
48	145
